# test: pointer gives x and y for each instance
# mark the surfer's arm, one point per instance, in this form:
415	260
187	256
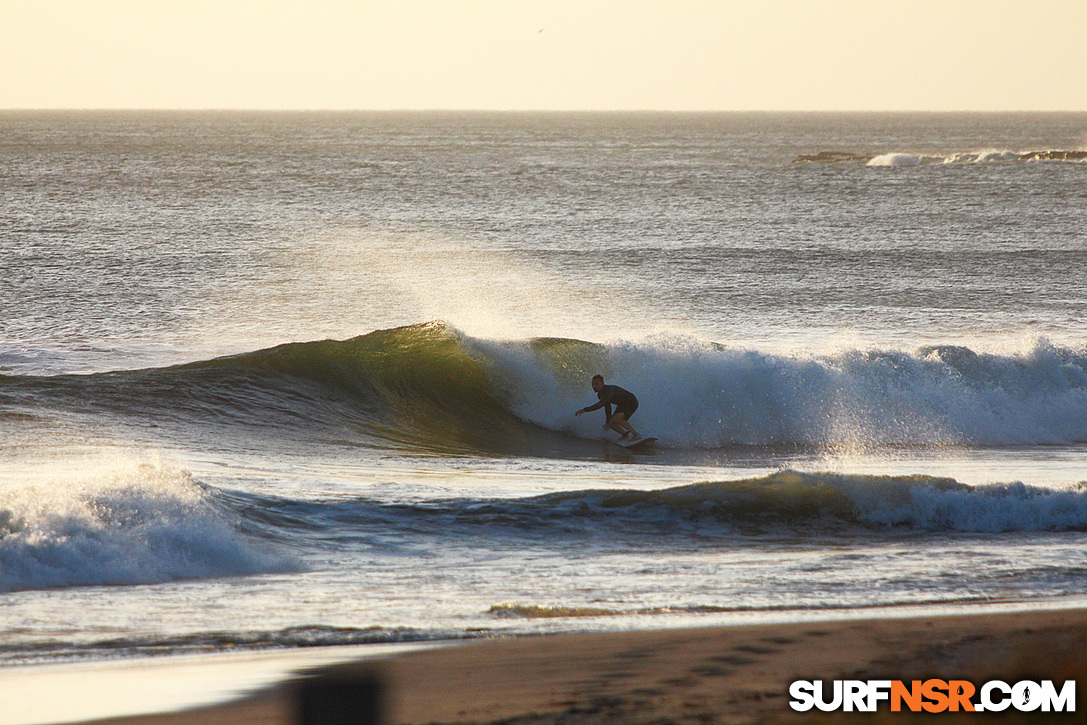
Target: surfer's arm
594	406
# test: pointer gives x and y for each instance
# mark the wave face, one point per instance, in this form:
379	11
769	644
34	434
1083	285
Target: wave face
789	500
416	386
141	524
788	503
431	387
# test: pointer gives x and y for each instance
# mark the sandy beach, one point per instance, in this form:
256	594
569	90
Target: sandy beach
737	674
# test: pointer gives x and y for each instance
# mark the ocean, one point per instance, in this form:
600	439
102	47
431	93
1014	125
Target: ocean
272	381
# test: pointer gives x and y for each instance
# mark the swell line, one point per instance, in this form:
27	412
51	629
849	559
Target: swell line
430	387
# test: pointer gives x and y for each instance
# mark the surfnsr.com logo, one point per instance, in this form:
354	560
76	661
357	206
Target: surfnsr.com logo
932	696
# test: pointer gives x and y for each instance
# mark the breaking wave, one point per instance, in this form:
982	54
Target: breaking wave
987	156
431	387
141	524
978	157
156	525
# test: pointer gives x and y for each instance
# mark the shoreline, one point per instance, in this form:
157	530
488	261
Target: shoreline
725	674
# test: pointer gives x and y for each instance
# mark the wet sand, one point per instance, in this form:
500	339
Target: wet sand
735	674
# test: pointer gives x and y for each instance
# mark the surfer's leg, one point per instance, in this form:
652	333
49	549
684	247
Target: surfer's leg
616	426
623	414
619	422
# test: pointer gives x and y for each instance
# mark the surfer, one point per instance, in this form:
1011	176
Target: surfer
625	404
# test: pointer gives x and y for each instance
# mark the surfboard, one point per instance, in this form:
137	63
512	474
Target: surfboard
636	443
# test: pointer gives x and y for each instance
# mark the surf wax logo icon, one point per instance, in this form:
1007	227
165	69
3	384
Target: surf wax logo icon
932	696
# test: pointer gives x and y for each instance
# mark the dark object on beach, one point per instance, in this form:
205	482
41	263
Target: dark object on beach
832	157
340	699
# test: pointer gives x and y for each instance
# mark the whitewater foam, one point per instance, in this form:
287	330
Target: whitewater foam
700	395
128	522
897	159
985	156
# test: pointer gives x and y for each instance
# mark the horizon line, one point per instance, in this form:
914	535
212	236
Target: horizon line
437	109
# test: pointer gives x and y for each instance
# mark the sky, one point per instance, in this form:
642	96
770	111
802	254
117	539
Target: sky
680	55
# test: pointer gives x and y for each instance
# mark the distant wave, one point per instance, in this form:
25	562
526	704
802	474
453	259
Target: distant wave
978	157
431	387
915	159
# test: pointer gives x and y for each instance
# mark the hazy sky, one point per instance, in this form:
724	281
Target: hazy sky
545	54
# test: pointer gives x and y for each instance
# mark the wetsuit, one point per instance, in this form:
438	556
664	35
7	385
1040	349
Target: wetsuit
624	401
